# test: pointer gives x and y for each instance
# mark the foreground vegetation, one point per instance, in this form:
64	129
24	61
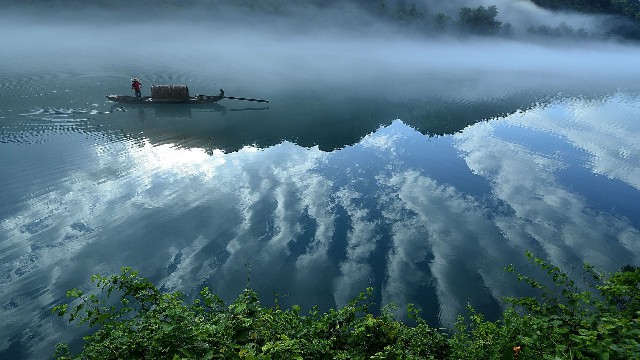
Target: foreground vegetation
563	322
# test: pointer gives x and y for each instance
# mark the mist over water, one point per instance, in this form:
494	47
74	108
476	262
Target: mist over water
417	166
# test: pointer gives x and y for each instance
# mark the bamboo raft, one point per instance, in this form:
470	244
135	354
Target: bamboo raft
175	94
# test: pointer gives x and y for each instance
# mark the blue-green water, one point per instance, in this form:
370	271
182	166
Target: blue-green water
420	169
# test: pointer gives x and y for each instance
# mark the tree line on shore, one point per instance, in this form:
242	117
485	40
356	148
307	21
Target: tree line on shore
623	21
484	20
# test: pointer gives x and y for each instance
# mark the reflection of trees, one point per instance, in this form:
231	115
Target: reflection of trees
326	122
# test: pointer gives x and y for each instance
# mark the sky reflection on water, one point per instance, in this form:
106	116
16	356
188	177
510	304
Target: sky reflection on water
426	220
323	193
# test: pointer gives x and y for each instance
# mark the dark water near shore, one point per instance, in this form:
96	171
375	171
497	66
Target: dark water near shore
421	179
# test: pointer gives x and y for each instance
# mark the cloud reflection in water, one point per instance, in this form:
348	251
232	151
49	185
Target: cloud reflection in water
568	226
323	226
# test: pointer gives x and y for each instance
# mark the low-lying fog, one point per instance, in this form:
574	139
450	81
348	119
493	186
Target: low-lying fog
265	59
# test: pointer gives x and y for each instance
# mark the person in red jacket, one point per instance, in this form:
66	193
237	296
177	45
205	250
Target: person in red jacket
136	85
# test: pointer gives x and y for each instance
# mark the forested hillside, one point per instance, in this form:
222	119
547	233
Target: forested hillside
618	19
628	8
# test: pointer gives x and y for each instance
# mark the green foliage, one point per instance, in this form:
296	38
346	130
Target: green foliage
145	324
563	322
134	320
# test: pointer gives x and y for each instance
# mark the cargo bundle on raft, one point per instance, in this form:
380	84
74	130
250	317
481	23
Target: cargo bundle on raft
175	94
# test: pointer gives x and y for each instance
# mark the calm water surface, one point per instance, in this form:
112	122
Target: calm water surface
333	187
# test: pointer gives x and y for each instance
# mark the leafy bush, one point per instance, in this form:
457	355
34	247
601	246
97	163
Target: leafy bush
146	324
563	322
600	320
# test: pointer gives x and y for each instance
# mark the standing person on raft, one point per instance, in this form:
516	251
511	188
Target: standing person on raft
136	85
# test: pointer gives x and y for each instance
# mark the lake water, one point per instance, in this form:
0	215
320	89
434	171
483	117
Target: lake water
417	168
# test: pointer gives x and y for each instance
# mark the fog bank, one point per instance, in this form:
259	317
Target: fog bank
277	61
515	18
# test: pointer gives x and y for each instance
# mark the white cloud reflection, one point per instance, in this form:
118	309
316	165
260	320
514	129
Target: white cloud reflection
564	223
323	226
453	235
607	129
